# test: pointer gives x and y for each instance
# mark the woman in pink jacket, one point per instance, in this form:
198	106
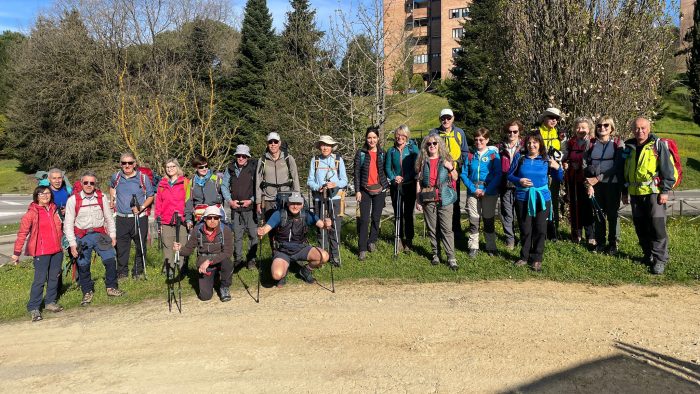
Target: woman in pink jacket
43	226
173	192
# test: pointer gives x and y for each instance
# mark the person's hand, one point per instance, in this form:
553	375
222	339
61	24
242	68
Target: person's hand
135	210
327	223
553	164
15	259
398	179
261	232
330	185
590	191
358	196
233	204
204	266
448	165
592	181
565	165
176	246
114	243
189	225
63	211
419	207
663	199
259	208
625	199
74	251
246	203
479	193
525	182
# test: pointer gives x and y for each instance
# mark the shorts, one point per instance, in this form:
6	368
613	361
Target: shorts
294	255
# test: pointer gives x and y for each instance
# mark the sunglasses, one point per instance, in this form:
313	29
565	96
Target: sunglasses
211	218
513	131
273	142
203	167
241	156
128	163
606	125
445	118
86	183
433	143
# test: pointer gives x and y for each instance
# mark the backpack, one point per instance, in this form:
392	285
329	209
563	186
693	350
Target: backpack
675	157
77	188
261	173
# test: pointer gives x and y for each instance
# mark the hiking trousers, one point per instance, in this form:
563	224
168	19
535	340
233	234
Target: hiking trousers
649	218
126	232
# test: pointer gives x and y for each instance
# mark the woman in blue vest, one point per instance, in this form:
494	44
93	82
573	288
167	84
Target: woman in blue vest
533	201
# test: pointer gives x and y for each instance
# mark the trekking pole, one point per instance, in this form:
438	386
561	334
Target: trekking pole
260	245
337	241
397	221
175	269
322	215
134	203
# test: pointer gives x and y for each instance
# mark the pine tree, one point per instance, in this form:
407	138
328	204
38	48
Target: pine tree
694	64
473	92
300	37
244	93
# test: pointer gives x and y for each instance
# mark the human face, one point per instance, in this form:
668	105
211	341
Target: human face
446	122
128	165
551	121
273	146
241	160
533	147
372	140
56	180
582	130
642	127
433	147
295	207
326	149
44	197
401	139
513	133
481	143
212	221
170	170
203	169
88	183
603	129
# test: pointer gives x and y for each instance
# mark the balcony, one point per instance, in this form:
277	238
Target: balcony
420	31
420	13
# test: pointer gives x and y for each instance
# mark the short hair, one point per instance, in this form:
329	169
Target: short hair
607	119
404	130
54	171
125	155
41	189
177	164
199	160
633	126
513	122
89	173
482	132
586	120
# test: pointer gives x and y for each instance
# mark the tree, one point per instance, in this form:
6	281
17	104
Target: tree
9	41
359	65
473	91
244	93
694	64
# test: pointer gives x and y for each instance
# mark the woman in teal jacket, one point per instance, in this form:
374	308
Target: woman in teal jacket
400	169
481	175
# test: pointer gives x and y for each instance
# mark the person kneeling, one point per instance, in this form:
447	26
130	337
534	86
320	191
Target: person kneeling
292	227
214	243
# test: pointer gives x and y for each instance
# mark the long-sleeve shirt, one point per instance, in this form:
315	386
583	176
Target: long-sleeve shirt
536	170
327	169
91	215
282	172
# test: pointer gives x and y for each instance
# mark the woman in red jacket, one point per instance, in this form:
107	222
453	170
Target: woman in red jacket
43	226
173	191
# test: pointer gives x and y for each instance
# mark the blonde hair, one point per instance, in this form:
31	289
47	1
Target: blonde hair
607	119
177	164
403	129
423	155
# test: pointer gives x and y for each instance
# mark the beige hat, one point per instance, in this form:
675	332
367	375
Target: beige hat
242	150
551	111
328	140
212	210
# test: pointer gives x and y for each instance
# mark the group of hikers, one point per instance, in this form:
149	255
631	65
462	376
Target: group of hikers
523	172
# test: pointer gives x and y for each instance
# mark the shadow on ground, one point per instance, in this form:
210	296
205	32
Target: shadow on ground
635	370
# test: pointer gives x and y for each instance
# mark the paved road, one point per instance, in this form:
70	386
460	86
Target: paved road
13	206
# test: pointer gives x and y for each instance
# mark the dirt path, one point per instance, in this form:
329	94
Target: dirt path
484	337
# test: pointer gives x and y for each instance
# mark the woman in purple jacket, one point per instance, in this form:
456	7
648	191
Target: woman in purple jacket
533	202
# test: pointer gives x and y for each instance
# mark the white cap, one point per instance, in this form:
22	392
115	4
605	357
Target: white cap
273	136
242	150
212	210
447	111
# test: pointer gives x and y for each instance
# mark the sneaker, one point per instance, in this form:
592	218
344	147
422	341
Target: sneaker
225	294
53	307
362	256
407	246
473	252
435	260
372	247
537	266
36	315
87	298
122	276
114	292
659	267
306	275
252	264
520	263
453	265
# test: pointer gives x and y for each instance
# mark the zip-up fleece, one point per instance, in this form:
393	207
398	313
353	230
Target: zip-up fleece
403	163
483	171
170	199
275	172
44	228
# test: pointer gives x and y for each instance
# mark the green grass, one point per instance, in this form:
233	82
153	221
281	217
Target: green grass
13	180
7	229
677	122
563	262
419	111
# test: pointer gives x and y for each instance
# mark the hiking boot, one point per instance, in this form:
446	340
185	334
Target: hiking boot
122	277
114	292
252	264
36	315
306	275
87	298
520	263
659	267
612	251
435	260
407	246
372	247
473	252
225	294
53	307
537	266
510	245
452	264
281	282
362	256
599	249
335	261
647	260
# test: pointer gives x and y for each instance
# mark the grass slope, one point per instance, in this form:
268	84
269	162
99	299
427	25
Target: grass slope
13	180
420	112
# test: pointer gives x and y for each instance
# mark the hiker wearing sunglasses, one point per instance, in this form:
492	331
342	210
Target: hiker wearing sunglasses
213	242
205	191
511	144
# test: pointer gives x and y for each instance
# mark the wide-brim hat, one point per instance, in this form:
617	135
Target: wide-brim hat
296	198
328	140
212	210
242	150
551	111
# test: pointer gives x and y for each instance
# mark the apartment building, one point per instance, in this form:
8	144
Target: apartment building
433	29
686	17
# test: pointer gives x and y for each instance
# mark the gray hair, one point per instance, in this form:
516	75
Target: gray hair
125	155
55	171
403	129
586	120
89	173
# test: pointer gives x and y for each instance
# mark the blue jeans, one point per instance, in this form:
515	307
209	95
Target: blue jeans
102	245
47	268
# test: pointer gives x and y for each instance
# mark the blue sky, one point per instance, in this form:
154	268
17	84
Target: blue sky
19	15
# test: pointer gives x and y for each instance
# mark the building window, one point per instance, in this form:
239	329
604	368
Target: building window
420	59
456	52
457	33
435	55
459	13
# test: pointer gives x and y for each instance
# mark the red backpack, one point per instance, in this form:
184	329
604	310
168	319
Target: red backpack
675	157
77	188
